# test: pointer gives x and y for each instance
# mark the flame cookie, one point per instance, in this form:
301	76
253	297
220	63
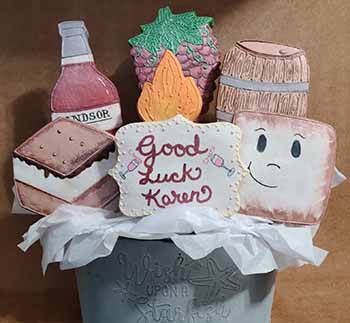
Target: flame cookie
171	93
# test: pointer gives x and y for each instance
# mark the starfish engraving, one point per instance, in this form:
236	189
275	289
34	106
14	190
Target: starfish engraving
217	279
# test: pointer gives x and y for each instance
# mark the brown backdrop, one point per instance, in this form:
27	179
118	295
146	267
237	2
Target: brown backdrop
29	66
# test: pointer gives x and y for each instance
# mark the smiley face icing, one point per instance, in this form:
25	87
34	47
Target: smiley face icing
290	162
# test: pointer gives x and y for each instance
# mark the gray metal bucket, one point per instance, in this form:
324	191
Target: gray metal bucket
154	282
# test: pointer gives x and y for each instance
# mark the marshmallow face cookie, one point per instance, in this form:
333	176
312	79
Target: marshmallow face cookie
290	162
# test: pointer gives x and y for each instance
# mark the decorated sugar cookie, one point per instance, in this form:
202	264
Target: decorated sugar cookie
65	162
291	164
170	93
189	38
178	162
263	77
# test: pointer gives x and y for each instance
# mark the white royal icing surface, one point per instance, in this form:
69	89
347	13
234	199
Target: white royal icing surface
193	179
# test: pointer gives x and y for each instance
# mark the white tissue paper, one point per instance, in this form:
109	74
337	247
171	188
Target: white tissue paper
76	235
338	178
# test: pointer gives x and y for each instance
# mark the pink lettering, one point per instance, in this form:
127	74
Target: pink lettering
192	174
150	196
147	148
162	201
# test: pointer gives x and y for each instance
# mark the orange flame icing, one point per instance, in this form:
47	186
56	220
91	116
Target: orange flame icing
171	93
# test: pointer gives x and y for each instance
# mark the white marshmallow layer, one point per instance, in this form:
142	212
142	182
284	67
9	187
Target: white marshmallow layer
67	189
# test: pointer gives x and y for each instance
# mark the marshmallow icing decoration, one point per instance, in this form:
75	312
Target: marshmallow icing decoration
178	162
291	163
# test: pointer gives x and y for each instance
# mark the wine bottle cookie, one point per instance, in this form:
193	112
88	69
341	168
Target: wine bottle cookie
82	93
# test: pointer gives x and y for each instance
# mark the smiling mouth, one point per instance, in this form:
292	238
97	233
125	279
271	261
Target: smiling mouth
256	180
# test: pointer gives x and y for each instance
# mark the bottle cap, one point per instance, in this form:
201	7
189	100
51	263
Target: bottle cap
72	27
74	41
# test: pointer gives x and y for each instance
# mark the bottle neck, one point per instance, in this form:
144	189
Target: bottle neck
76	50
77	60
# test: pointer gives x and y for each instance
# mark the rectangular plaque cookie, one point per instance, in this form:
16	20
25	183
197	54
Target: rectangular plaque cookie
178	162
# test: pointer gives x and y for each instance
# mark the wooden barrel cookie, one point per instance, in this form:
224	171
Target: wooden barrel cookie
264	77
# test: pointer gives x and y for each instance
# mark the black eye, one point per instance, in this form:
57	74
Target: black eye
296	149
261	143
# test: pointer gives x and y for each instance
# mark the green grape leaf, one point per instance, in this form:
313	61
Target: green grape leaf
168	30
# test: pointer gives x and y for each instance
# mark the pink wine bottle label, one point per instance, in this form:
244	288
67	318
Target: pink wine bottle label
82	93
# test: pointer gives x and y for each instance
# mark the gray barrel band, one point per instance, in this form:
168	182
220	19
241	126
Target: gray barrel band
224	116
263	86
